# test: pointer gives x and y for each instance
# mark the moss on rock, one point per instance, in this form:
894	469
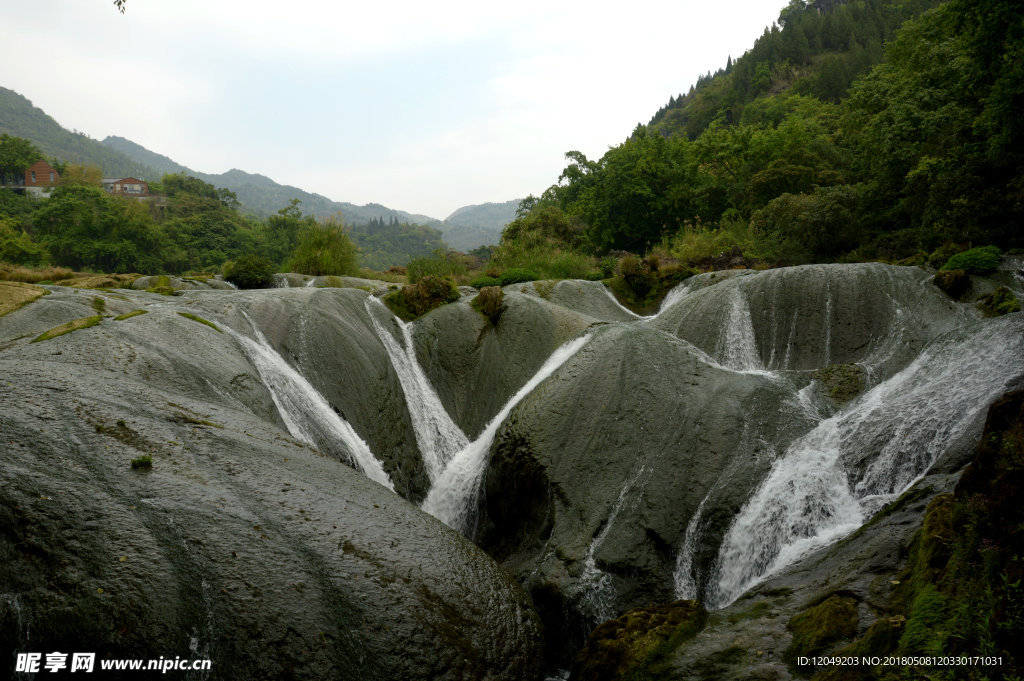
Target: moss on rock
843	382
818	629
999	302
73	325
637	645
954	283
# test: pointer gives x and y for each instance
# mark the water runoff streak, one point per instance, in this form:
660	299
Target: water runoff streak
438	437
307	415
832	479
454	496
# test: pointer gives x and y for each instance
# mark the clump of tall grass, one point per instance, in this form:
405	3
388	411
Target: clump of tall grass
30	275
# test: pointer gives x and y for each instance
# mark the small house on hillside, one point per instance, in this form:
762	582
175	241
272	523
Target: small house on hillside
126	186
40	179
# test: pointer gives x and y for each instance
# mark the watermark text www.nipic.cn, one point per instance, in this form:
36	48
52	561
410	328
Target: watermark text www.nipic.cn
33	663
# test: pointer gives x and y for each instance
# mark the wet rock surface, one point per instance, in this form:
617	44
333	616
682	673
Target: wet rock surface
619	481
241	544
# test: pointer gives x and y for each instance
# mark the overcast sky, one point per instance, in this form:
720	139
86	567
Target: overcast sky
420	106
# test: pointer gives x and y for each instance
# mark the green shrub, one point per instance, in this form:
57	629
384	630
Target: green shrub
490	302
324	249
250	271
517	275
483	282
981	260
415	300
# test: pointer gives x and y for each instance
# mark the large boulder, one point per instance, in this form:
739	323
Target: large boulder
235	541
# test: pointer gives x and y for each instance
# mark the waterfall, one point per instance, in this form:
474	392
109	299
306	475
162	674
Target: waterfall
685	577
305	412
737	346
832	479
593	587
453	497
436	434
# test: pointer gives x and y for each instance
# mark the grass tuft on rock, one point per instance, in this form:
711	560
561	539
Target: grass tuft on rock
195	318
144	462
129	315
490	302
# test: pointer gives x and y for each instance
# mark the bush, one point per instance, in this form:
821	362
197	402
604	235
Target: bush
517	275
250	271
482	282
981	260
490	302
324	249
415	300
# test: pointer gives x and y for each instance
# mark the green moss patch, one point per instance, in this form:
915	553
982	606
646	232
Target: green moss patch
195	318
638	644
842	381
129	315
74	325
999	302
819	628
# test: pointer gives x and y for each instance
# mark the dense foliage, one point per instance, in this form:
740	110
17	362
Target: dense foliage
187	225
789	156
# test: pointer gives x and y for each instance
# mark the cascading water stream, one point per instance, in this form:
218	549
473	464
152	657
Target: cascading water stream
833	478
594	583
438	437
305	412
453	497
738	346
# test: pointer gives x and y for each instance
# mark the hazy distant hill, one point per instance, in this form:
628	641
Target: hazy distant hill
468	227
480	225
262	195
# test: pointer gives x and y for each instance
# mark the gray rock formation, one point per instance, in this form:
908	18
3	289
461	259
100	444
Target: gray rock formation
240	543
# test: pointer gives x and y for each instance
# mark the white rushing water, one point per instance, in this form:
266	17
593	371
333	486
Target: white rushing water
305	412
832	479
454	496
594	588
438	437
737	345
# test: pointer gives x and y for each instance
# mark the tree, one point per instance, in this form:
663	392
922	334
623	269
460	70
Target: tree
324	248
16	155
85	174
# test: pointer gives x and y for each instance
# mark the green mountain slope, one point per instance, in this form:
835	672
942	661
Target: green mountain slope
817	49
19	118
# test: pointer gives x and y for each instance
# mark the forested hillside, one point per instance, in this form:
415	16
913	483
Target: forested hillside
789	156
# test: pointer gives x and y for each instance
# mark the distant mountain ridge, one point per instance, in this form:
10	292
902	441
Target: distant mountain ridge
121	157
473	226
